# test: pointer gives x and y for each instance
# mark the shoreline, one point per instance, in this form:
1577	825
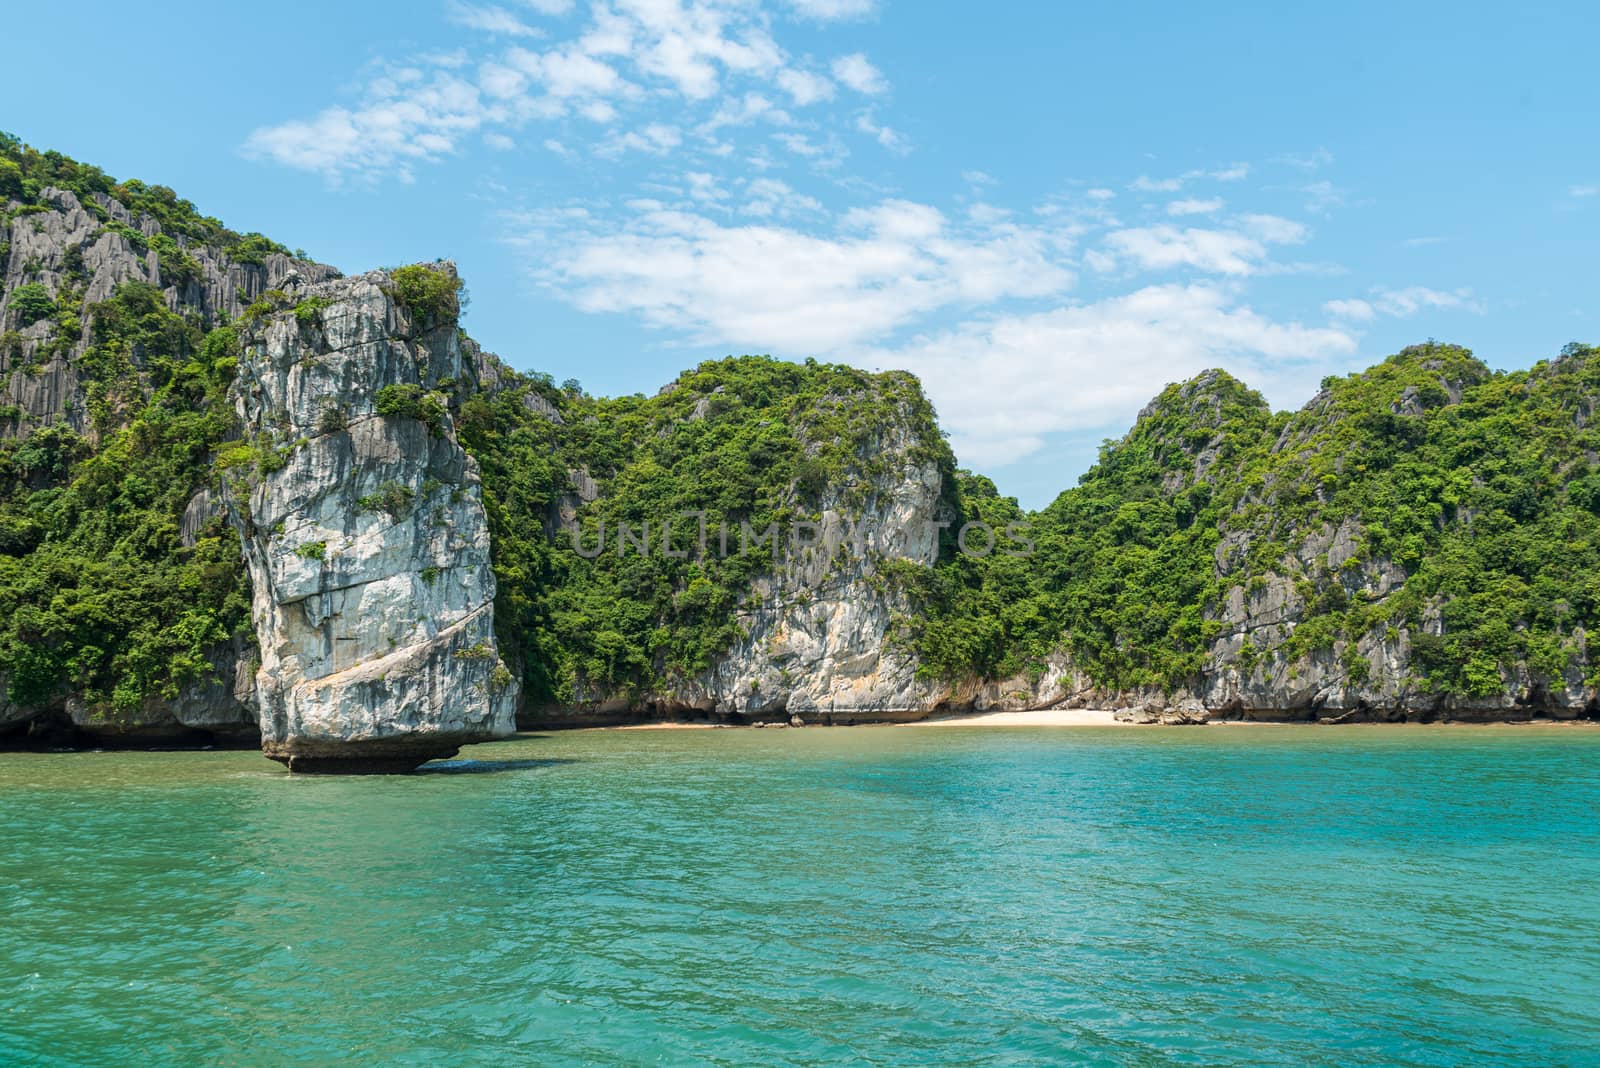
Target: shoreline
1039	717
1092	717
1050	717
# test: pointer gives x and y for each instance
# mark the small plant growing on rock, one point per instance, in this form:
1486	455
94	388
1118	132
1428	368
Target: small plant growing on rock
135	238
332	419
270	301
392	497
408	400
32	302
177	266
238	454
316	550
431	292
308	310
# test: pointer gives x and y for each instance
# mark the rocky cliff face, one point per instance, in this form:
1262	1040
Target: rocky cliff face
816	631
74	251
364	533
796	620
80	256
1369	676
362	529
219	706
1343	619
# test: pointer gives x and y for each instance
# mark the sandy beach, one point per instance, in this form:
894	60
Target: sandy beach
1044	717
1100	717
1041	717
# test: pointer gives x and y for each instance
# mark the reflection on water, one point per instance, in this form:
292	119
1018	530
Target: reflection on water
486	767
892	896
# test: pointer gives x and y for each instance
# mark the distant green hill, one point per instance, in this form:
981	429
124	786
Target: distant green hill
1425	529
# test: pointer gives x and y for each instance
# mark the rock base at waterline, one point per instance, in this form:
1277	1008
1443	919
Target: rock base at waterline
379	757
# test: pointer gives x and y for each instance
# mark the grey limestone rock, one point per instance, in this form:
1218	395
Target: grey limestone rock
368	548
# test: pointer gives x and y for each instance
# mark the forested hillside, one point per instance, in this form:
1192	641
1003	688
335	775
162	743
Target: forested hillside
1420	539
729	450
1425	534
122	594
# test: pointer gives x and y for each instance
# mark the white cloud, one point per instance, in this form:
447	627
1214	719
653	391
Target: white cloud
828	10
1322	196
799	144
778	288
696	64
1402	303
744	110
893	140
566	73
704	187
656	139
1584	191
804	87
488	19
1274	229
1413	299
1194	207
1358	310
1101	262
856	71
1233	172
1001	385
405	120
692	47
1306	161
767	197
499	142
1146	184
977	303
1237	252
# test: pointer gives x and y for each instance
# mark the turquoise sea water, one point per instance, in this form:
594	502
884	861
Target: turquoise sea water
1395	896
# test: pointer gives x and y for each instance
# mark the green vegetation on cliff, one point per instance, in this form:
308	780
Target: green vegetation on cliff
1426	512
98	596
749	443
101	600
1480	488
1120	568
25	172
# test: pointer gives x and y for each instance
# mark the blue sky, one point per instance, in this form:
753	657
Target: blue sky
1048	211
